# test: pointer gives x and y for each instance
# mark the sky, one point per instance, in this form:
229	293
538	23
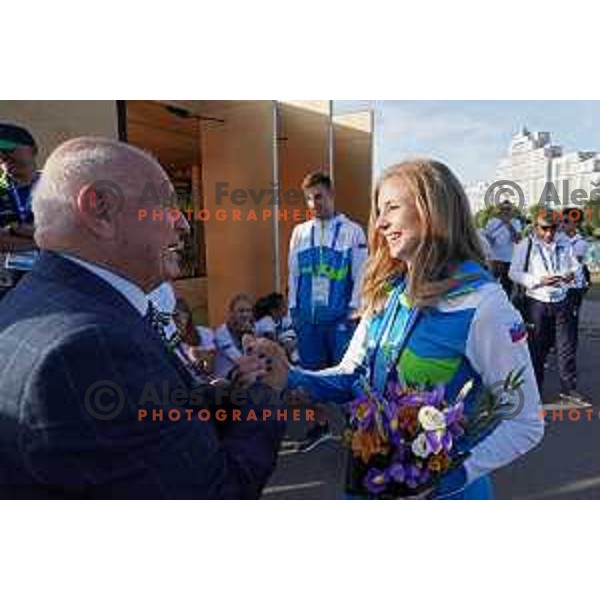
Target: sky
471	136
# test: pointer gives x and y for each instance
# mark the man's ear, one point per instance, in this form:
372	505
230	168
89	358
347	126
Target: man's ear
97	208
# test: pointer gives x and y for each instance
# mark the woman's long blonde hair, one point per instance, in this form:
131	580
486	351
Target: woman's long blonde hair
449	236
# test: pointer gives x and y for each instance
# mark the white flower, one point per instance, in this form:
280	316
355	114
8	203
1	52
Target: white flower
431	419
420	447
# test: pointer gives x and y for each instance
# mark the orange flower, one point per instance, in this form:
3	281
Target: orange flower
408	420
434	464
366	444
438	463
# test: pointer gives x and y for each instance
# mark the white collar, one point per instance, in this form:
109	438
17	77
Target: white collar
130	290
163	297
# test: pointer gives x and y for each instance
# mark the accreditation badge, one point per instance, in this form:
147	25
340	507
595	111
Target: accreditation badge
320	291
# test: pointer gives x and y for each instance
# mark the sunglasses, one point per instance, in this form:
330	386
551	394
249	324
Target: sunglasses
548	227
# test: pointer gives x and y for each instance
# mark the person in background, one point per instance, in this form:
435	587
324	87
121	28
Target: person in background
228	336
274	322
198	342
18	175
580	249
503	232
326	262
552	269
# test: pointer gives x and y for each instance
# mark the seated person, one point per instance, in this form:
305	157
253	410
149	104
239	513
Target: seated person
228	336
274	322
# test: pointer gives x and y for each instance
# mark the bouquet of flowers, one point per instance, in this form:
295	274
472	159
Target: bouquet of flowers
405	440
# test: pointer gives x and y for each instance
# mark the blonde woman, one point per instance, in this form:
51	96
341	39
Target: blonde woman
447	321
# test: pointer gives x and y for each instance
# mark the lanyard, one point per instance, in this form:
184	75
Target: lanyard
336	234
21	205
382	360
554	264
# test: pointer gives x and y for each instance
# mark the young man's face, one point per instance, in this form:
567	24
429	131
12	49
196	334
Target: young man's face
320	200
546	231
19	163
506	213
569	226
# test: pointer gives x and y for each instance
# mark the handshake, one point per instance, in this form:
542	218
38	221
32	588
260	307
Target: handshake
263	361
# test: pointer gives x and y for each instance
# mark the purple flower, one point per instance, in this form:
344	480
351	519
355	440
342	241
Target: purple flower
412	399
393	390
362	412
456	429
400	453
396	473
433	441
435	396
390	410
395	437
412	476
454	413
447	441
424	476
376	481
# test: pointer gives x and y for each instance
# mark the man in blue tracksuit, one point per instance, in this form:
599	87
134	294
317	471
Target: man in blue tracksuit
326	260
18	175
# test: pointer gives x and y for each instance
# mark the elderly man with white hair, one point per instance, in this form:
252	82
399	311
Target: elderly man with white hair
83	361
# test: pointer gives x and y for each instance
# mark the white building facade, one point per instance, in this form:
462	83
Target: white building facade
534	162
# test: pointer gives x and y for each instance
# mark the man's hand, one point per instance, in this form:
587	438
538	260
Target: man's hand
248	370
272	356
552	280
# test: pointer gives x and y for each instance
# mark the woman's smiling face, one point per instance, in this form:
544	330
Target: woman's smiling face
398	219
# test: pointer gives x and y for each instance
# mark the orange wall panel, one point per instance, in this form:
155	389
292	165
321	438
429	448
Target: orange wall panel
238	154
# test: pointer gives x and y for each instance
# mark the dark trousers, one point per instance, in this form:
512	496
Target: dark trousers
550	321
576	299
500	271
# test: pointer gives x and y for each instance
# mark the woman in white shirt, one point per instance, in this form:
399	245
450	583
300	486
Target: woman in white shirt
228	336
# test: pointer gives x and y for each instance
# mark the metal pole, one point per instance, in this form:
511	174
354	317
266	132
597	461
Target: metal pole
276	194
330	143
373	124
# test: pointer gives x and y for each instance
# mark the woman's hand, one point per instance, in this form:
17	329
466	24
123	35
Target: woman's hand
273	357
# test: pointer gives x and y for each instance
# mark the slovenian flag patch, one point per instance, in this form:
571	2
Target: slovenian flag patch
518	332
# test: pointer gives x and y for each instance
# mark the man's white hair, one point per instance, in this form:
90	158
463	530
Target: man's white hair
80	162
